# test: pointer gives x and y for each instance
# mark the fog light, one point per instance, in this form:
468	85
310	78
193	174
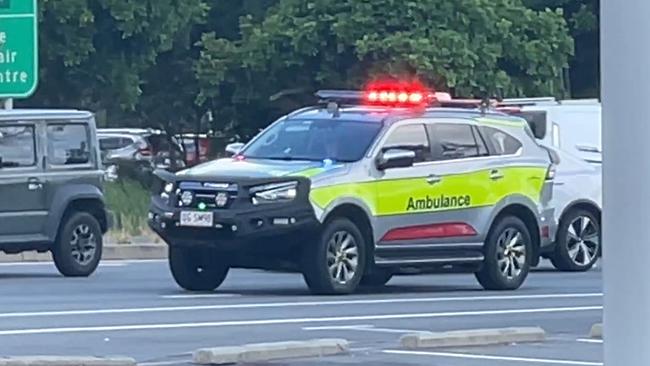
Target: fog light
186	198
221	199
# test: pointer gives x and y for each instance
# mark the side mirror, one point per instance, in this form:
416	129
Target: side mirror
395	158
234	148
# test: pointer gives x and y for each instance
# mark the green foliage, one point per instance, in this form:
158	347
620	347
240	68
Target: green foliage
582	17
94	53
129	201
164	63
469	46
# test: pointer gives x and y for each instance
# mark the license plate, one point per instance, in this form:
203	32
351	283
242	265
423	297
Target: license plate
196	219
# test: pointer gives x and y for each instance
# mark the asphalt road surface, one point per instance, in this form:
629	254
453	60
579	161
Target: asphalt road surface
135	309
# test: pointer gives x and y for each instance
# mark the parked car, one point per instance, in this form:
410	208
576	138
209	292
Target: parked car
571	125
140	150
577	198
51	196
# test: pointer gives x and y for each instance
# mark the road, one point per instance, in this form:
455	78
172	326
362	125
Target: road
134	309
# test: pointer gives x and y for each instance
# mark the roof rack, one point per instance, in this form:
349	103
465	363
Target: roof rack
437	99
527	101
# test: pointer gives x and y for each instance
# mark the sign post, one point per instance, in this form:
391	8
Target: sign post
18	48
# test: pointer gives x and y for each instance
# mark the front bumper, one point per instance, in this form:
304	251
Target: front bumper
267	228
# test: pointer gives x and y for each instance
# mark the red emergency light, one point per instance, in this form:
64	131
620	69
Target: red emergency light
397	94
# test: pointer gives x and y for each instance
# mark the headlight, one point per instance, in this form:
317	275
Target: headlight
276	192
168	188
186	198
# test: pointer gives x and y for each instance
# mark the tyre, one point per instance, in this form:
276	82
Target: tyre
78	247
508	252
197	269
377	278
578	242
335	263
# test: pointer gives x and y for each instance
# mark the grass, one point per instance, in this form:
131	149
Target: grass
129	201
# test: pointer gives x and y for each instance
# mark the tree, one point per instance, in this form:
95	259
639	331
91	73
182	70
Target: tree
95	54
582	17
471	47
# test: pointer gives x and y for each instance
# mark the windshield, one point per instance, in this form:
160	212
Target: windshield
338	140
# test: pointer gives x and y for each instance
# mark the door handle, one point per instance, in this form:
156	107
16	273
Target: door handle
433	179
34	184
496	174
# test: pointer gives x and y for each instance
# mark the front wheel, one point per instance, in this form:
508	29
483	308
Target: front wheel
508	253
78	248
335	264
197	269
578	244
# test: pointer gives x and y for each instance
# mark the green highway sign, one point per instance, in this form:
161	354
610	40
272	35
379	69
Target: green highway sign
18	48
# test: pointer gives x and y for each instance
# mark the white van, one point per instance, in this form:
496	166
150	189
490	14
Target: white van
570	125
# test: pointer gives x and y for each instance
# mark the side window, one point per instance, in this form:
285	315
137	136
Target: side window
455	141
410	137
67	144
17	147
499	142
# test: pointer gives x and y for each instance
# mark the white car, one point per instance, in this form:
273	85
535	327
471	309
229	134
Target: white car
577	198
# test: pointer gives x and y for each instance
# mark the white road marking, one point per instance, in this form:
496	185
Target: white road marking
547	361
339	327
364	328
256	322
291	304
585	340
164	363
198	296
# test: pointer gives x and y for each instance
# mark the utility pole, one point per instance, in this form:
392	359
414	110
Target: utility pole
625	60
9	103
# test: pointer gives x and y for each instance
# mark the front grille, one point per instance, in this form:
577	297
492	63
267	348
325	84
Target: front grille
205	194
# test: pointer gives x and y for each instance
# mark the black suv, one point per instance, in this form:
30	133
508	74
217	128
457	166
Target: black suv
51	196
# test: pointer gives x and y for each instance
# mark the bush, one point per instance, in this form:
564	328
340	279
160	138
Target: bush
129	201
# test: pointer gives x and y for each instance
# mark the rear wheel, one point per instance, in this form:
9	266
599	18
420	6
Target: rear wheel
508	252
578	244
197	269
335	264
78	248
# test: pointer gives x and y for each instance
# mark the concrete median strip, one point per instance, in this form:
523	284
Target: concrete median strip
66	361
270	351
596	331
475	337
110	252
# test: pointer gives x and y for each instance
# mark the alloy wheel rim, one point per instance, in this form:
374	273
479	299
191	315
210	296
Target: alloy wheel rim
342	257
583	241
84	244
511	253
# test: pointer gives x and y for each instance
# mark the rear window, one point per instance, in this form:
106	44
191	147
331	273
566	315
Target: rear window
67	144
499	142
113	143
536	120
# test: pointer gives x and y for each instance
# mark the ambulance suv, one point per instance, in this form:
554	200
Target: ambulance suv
361	187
